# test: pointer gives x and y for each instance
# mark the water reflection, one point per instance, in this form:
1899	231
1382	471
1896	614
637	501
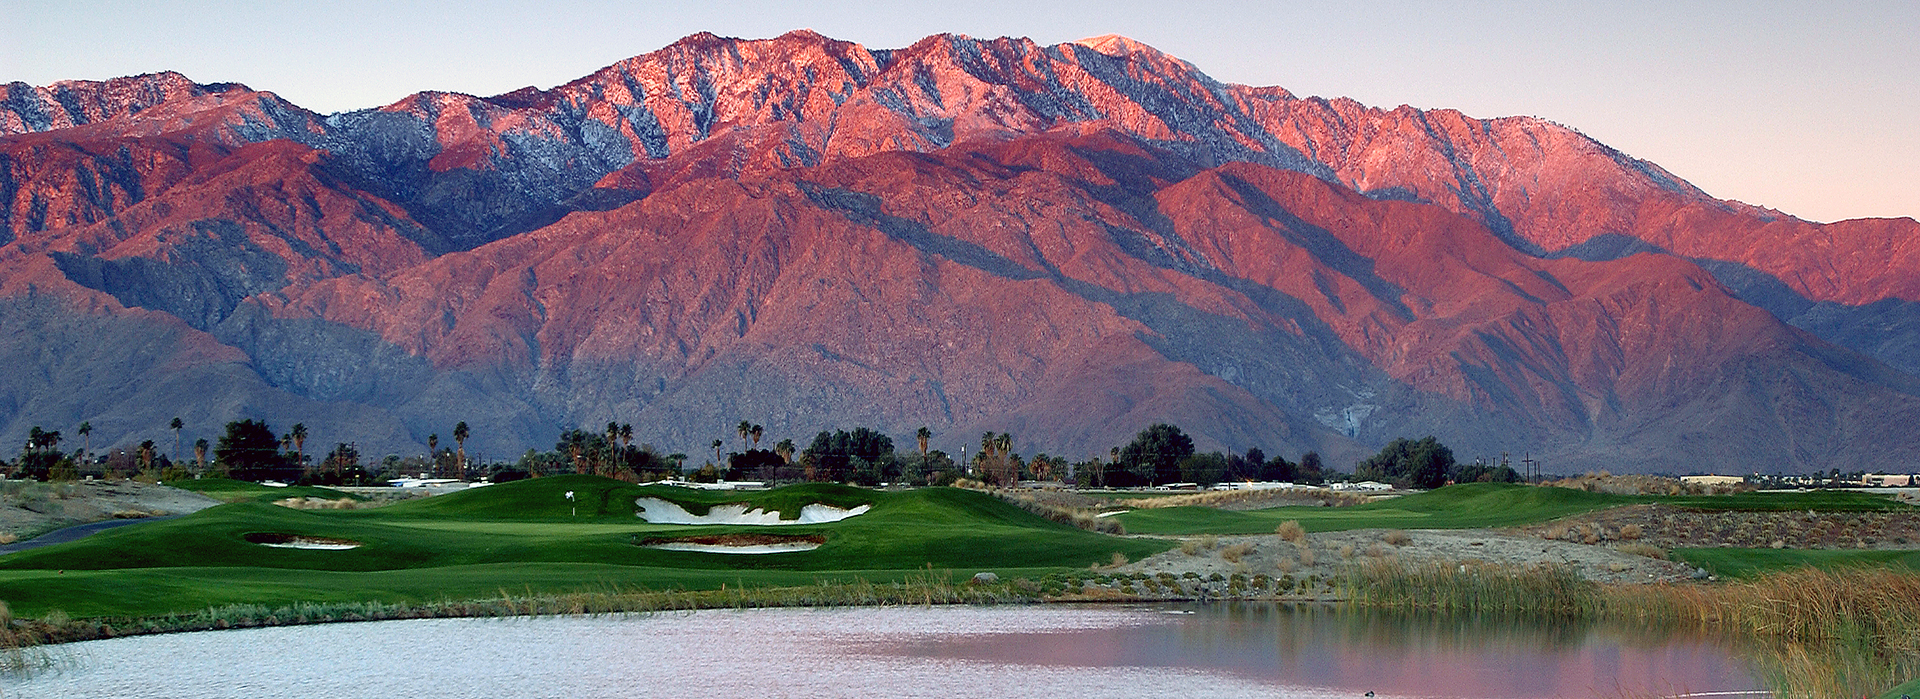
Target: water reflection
1237	650
1386	653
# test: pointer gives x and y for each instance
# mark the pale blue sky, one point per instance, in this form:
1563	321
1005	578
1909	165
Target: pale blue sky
1811	108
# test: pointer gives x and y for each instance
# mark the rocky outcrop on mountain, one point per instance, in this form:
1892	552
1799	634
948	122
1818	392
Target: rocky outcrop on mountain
1063	242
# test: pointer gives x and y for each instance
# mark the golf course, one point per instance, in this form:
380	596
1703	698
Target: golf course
527	537
577	543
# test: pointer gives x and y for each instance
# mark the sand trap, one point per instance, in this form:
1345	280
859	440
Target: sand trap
657	511
291	541
736	543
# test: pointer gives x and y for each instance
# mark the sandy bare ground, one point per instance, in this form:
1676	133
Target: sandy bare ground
30	508
1326	555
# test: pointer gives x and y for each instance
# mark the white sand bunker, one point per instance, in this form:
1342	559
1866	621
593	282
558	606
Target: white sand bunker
657	511
737	543
294	541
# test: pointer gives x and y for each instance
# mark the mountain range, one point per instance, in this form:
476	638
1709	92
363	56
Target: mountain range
1066	243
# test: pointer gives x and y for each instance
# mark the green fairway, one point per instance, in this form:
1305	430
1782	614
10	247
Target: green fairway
1747	563
1452	507
1473	505
526	536
161	591
229	490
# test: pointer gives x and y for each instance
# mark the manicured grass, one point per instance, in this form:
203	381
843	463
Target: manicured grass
161	591
1750	563
483	540
1912	687
1474	505
1816	500
229	490
1452	507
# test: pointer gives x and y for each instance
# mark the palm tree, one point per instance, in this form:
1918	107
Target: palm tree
200	453
177	424
785	450
755	433
299	435
86	433
745	429
922	435
626	434
716	453
433	452
613	446
460	434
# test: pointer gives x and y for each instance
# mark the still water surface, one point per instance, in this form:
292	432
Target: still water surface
1235	650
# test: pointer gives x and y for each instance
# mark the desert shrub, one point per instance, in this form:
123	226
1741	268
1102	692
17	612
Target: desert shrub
1397	538
1285	565
1346	551
1190	547
1235	552
1291	530
1638	549
1306	556
1209	542
1631	532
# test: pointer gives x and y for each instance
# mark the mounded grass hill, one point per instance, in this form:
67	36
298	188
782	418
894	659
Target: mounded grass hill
525	536
230	490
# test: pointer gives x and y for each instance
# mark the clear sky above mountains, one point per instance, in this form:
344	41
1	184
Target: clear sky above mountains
1810	108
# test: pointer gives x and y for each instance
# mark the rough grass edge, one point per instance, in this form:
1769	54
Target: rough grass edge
926	588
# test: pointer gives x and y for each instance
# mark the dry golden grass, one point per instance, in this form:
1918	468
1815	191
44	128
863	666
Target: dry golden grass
1397	538
1306	557
1209	542
1236	552
1604	482
1631	532
8	538
1839	630
1291	530
1190	547
1285	565
319	504
1647	550
1267	498
1347	551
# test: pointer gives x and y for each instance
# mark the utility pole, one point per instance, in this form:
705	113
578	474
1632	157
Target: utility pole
1529	462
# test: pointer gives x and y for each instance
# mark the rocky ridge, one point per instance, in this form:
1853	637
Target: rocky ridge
1064	242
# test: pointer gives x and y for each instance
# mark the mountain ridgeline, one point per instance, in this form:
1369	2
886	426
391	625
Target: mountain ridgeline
1067	243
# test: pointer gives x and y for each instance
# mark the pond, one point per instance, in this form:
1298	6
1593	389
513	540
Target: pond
1219	650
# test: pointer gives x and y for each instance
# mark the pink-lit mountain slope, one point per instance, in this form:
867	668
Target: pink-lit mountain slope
1063	242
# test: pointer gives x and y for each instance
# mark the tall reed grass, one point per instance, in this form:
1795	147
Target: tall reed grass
1814	633
1470	587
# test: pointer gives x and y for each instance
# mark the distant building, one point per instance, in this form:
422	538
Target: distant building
1714	480
1362	485
1887	480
